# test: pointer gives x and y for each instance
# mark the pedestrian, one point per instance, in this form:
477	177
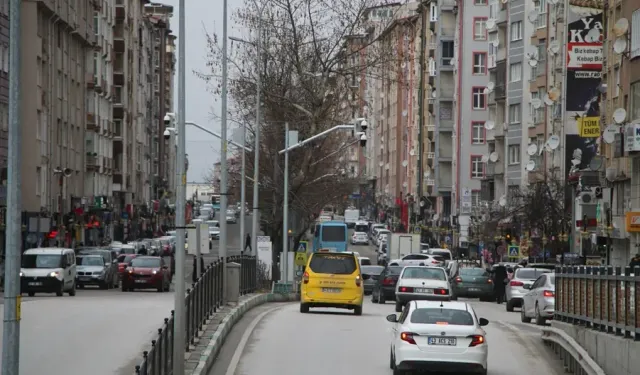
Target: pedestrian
499	279
635	261
247	242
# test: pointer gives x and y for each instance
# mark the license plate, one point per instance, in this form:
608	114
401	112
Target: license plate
35	283
443	341
141	281
474	289
424	290
85	278
331	290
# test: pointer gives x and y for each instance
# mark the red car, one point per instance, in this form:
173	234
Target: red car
146	272
123	262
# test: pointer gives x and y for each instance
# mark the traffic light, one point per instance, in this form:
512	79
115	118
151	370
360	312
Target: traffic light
507	236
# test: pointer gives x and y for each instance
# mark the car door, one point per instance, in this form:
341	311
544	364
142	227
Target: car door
537	291
531	296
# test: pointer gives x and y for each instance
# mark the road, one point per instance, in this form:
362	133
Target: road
98	332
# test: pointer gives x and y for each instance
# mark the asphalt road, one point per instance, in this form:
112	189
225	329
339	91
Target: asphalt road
98	332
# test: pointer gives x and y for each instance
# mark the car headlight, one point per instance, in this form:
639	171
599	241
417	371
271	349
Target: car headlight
54	274
154	272
21	274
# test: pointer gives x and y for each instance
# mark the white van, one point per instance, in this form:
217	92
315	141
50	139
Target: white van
48	270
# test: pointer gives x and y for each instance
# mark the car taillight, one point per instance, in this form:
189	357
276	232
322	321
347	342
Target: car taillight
458	279
516	283
408	337
388	281
442	292
476	340
548	293
305	278
358	281
405	289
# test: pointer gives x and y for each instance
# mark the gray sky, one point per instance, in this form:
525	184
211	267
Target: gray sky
202	148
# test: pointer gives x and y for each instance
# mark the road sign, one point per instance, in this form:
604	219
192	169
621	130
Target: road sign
354	196
514	251
303	246
264	239
301	259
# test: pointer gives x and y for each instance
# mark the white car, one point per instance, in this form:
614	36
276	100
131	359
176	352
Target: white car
433	336
364	261
422	283
375	228
418	260
359	238
522	278
382	235
540	302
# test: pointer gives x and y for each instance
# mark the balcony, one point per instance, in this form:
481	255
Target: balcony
118	70
117	132
499	93
92	163
121	12
118	38
494	169
92	123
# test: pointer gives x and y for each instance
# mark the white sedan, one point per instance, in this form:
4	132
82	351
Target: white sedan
422	283
540	302
418	260
438	336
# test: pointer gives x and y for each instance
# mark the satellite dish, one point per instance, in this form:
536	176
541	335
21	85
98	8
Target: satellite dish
434	94
620	45
491	23
427	173
596	163
381	164
536	103
412	152
503	201
553	142
485	158
533	62
531	165
575	162
547	100
619	115
386	166
609	134
405	113
486	90
495	42
621	27
532	149
532	16
452	62
547	148
554	94
493	157
489	125
491	86
403	65
554	47
405	163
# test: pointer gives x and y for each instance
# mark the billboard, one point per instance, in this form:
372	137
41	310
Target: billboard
584	55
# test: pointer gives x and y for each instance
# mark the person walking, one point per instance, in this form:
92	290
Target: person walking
247	242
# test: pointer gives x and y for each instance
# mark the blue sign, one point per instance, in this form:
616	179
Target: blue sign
354	196
302	246
514	251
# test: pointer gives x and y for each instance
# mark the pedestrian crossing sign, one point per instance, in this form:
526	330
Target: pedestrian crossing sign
301	259
514	251
302	247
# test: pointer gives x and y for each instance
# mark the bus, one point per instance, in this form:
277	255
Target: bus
331	235
215	201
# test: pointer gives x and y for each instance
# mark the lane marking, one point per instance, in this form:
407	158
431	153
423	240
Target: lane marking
237	355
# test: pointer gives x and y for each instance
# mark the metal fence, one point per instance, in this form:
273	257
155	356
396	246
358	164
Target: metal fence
606	299
203	299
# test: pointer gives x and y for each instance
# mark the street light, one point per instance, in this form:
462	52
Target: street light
285	210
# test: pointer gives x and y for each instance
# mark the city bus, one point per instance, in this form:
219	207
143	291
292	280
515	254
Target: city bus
331	235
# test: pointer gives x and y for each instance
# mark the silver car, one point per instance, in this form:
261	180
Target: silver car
516	289
540	302
92	270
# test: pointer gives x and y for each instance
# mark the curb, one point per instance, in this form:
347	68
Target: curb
210	353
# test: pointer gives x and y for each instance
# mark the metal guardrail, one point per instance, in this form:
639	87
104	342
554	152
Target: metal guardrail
575	358
606	299
203	299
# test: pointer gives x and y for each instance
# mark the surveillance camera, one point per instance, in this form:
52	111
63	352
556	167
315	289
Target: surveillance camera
167	133
364	125
167	120
363	140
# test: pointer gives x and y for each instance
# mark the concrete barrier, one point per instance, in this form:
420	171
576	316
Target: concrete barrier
616	355
212	349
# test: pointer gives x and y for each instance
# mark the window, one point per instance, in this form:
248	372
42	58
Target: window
514	113
514	154
475	198
479	63
477	166
450	317
333	264
635	101
515	72
479	98
477	133
541	21
516	31
537	114
635	34
480	28
480	2
447	52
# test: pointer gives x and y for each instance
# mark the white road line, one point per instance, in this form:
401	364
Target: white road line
237	355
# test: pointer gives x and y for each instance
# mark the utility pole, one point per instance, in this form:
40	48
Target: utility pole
181	185
285	211
423	35
13	248
256	142
224	194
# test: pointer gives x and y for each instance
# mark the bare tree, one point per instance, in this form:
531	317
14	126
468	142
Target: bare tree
311	52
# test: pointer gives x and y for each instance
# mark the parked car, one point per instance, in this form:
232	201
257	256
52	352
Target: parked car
147	272
540	301
520	284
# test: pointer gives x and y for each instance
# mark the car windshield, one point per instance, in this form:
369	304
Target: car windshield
337	264
362	228
394	271
372	270
90	261
146	262
125	258
441	316
529	273
106	255
473	272
41	261
423	273
445	254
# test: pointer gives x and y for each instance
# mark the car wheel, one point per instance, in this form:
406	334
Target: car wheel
124	288
80	286
304	308
509	306
523	316
391	361
539	320
31	294
72	291
116	281
104	285
60	291
373	297
357	310
381	299
399	307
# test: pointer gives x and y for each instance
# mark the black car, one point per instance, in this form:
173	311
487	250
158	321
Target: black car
370	276
385	287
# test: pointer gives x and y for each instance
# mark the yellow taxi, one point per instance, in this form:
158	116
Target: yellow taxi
332	279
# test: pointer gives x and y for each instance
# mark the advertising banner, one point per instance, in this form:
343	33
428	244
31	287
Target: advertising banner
584	71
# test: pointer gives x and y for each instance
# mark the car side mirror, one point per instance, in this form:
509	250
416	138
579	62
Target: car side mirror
528	287
165	267
483	322
392	318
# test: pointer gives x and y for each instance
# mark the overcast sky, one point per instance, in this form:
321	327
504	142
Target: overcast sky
203	149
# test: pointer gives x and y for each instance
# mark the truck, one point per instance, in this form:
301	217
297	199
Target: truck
401	244
351	216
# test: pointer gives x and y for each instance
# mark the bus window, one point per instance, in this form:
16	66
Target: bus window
333	234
